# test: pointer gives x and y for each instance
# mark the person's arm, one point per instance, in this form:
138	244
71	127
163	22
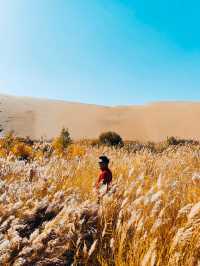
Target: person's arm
99	181
102	178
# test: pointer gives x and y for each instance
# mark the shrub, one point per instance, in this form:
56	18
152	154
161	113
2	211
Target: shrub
65	138
22	151
62	142
177	141
172	141
111	139
6	143
9	140
28	141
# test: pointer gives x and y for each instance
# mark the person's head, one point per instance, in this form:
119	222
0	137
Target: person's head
103	162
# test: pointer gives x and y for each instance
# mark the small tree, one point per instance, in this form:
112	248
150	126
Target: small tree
65	138
62	142
111	139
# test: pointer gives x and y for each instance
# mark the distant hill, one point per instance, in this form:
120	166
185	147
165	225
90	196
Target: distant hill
40	117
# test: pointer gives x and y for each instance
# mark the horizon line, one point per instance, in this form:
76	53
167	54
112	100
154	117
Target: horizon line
40	98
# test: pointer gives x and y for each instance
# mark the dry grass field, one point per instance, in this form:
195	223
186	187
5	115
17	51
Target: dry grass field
50	214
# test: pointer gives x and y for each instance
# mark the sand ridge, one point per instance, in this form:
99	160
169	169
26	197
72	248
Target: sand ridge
154	122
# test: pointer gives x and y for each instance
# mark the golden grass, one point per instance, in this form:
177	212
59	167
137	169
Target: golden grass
50	213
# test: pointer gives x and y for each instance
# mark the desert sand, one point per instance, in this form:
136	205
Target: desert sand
151	122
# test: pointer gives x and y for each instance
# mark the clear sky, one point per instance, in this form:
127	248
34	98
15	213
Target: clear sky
111	52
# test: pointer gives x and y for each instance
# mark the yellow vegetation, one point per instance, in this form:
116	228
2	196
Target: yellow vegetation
50	214
76	150
22	150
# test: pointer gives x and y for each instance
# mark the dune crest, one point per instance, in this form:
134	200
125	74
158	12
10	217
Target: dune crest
40	117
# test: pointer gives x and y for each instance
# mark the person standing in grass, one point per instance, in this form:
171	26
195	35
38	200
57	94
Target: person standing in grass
105	177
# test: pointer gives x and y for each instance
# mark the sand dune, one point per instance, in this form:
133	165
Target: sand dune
39	117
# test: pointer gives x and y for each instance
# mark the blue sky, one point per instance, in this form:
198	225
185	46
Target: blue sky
98	51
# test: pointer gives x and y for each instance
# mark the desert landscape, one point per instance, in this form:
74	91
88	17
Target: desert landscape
151	122
99	133
51	212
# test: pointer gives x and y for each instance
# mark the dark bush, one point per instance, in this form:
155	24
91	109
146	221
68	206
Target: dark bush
172	141
29	141
111	139
177	141
65	138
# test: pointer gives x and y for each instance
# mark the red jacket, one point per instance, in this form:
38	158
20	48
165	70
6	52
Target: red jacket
105	177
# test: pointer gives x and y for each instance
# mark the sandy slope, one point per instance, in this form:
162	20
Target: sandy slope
38	117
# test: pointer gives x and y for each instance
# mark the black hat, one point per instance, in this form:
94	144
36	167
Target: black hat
104	159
